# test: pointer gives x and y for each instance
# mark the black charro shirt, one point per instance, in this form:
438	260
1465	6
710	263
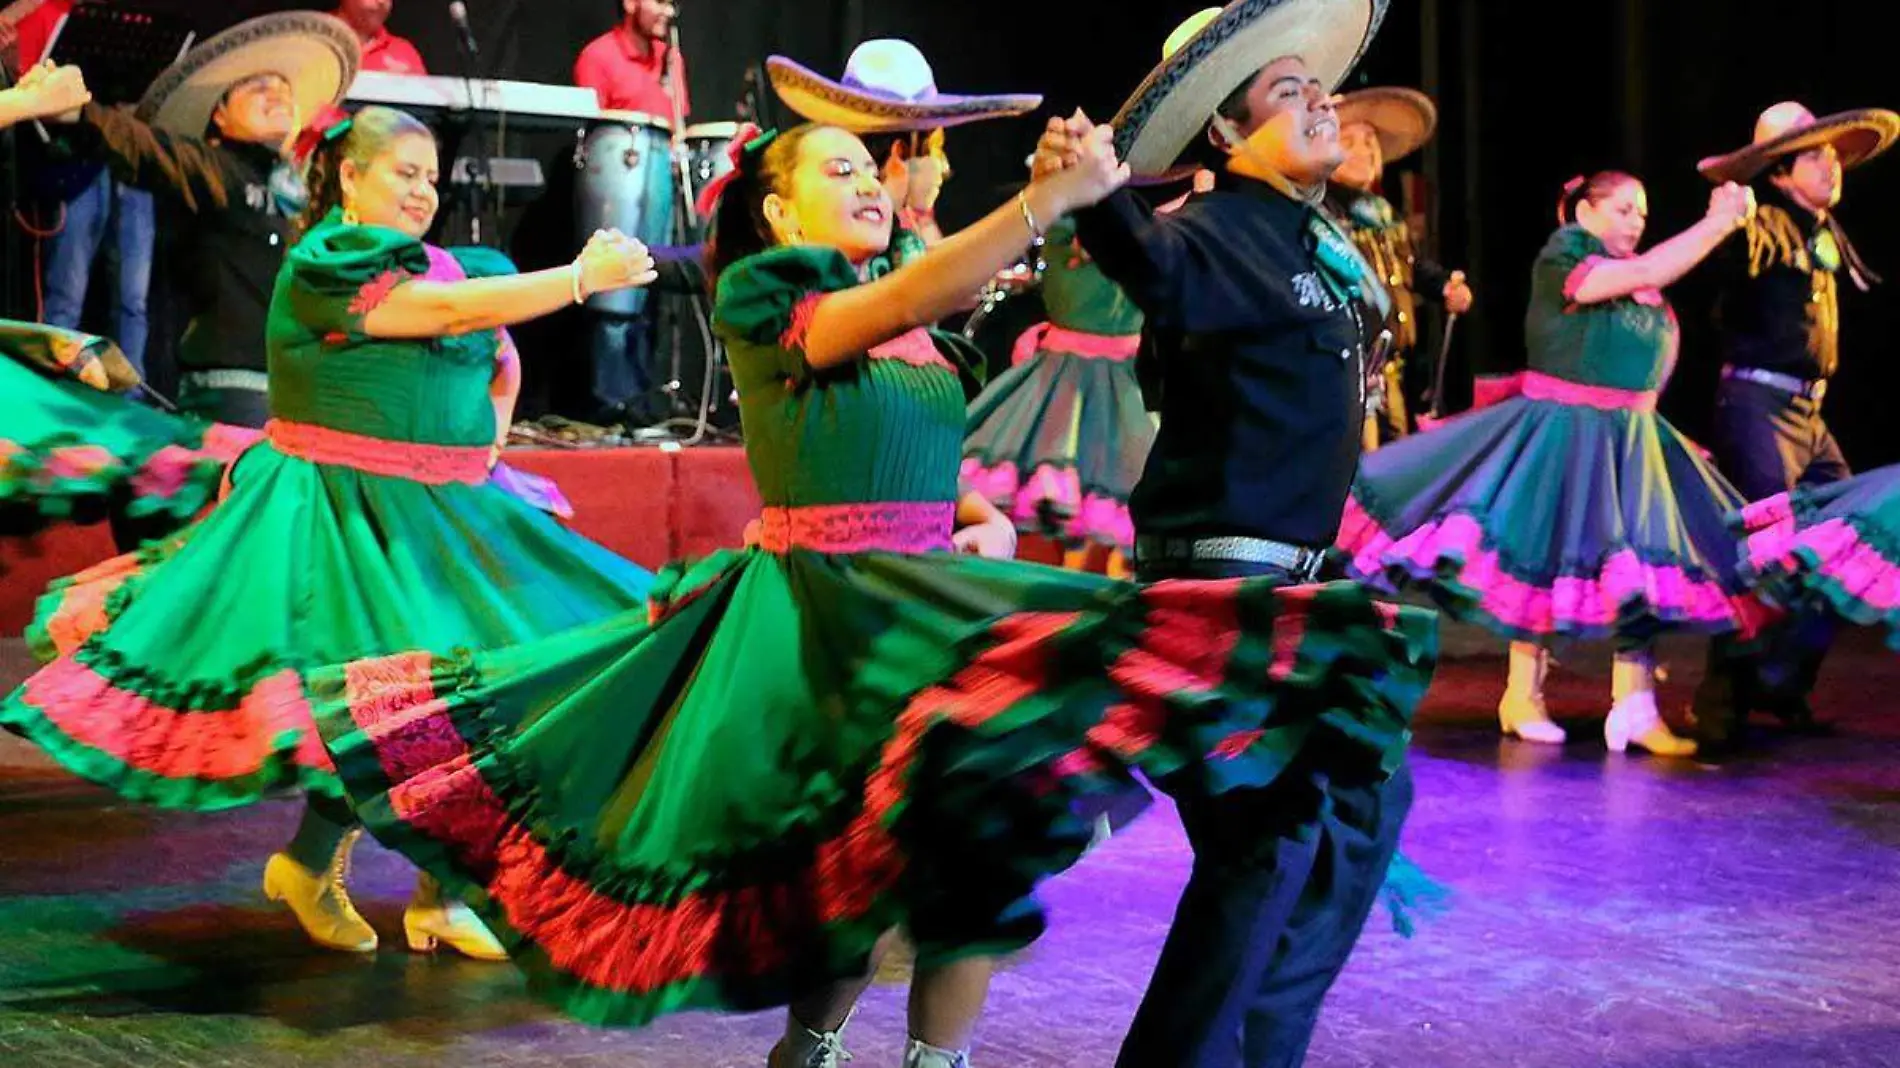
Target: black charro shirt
1261	387
1779	306
232	241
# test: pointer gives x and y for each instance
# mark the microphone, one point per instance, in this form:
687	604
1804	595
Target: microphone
458	14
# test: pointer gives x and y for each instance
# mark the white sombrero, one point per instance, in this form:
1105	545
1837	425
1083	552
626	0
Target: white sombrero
1219	50
1403	119
318	54
888	87
1789	129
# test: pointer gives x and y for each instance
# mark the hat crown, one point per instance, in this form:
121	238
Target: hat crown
1784	118
891	67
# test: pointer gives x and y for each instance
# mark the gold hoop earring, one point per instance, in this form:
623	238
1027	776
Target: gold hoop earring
350	217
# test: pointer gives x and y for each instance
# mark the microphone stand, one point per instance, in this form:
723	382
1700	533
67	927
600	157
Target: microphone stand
685	224
476	198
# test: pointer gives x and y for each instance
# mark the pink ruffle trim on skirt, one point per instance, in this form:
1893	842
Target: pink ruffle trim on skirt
143	734
1051	490
1832	549
1571	603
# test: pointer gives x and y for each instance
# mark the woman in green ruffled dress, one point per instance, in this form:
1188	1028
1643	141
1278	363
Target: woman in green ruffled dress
1570	509
872	718
368	520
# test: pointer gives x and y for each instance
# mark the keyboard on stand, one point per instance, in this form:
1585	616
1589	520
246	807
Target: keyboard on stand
524	103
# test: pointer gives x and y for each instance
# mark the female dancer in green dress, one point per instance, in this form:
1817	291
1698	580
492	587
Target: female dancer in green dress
847	728
366	522
1571	509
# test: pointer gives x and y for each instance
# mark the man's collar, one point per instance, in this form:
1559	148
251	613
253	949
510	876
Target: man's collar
1774	194
1267	192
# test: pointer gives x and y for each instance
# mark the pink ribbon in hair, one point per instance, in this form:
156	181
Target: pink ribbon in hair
328	124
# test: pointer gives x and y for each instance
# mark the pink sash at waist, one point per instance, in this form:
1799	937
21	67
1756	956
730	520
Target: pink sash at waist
432	464
1536	385
896	527
1050	337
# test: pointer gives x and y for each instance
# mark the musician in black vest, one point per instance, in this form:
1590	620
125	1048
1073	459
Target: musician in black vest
220	122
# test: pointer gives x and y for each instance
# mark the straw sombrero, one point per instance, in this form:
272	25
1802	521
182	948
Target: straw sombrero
1788	129
68	354
318	54
1403	119
1217	51
888	87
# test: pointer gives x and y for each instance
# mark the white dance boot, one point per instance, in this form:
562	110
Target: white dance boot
430	921
319	899
1633	717
805	1048
1522	711
922	1054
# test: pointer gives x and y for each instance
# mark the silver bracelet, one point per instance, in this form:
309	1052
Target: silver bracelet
578	297
1029	217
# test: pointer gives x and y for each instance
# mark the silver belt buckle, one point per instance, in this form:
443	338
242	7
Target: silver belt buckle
1799	387
1297	561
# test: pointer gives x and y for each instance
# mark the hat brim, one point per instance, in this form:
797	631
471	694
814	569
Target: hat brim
1173	104
60	353
1857	136
318	54
1403	119
819	99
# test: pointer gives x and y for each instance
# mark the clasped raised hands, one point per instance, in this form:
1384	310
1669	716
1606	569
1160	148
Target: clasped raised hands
53	92
1733	204
612	260
1076	160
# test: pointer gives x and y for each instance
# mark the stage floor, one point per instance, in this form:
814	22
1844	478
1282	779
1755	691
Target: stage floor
1611	913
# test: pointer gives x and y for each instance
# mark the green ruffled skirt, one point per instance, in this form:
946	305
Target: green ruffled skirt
724	805
174	674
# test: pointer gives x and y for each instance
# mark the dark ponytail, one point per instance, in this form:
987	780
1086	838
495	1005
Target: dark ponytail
1593	189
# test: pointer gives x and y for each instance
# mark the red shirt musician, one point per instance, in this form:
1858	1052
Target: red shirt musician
624	65
382	51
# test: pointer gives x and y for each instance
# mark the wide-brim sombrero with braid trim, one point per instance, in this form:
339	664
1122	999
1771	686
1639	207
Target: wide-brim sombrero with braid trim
317	53
1220	50
1403	119
1788	129
888	87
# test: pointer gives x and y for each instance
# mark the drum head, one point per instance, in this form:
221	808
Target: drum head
712	131
633	118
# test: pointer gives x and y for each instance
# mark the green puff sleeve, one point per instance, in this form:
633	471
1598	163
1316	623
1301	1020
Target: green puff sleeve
337	275
1563	263
763	304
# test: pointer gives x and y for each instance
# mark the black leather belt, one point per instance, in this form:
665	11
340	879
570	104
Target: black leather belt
1298	561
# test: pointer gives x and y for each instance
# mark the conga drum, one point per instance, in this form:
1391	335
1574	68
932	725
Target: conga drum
706	157
626	183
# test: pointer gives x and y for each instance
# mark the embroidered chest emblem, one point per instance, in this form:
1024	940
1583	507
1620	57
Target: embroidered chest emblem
1312	292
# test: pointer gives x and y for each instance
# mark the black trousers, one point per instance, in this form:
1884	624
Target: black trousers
1284	878
1767	442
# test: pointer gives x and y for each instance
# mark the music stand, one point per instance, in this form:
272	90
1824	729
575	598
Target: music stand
123	50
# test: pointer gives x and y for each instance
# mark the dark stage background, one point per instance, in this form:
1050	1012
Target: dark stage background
1645	86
